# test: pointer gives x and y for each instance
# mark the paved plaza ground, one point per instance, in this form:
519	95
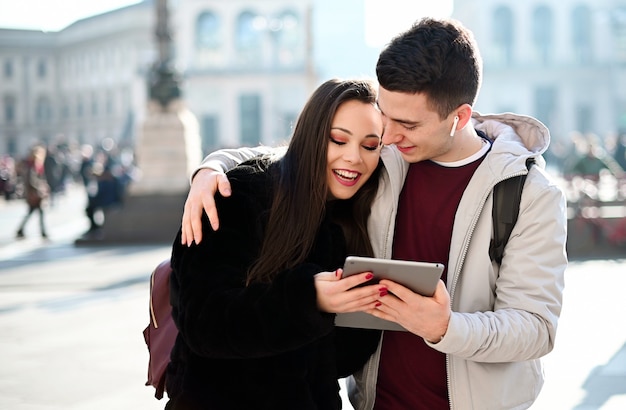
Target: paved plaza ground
71	321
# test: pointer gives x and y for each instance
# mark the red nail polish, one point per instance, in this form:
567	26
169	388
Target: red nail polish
378	304
383	293
369	276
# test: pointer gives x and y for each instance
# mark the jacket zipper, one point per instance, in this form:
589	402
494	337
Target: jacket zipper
458	273
371	377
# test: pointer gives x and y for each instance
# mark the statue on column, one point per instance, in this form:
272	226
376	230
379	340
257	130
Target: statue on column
164	82
168	147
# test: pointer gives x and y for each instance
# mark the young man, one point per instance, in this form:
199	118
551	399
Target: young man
477	342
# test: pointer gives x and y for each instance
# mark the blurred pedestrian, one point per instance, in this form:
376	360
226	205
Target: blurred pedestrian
86	164
8	177
108	190
620	150
593	160
36	188
53	172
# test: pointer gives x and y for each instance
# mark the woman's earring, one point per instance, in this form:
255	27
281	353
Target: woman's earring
454	124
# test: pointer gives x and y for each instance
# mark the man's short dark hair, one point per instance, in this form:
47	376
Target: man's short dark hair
436	57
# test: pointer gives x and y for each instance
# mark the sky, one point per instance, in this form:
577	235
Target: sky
385	18
52	15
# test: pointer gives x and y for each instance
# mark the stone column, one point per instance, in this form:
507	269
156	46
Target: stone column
167	150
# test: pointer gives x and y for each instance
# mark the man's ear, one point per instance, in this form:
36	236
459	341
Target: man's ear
464	112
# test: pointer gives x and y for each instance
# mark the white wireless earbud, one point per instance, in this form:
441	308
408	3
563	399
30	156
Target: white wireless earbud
454	124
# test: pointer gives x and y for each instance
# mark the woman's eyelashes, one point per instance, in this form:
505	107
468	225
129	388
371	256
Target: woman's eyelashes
336	141
368	146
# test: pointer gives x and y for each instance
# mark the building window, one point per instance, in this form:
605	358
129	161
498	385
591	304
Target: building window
12	146
209	133
127	131
618	23
546	105
94	104
43	110
288	38
248	38
8	69
65	108
41	69
208	40
582	34
208	30
503	35
250	119
584	118
9	109
543	33
80	107
109	103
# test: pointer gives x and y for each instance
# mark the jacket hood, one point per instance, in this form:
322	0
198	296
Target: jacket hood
530	131
520	135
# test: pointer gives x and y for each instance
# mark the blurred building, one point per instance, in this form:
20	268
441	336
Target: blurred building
246	69
81	84
562	61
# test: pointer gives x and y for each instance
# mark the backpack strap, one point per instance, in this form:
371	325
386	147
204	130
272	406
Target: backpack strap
506	198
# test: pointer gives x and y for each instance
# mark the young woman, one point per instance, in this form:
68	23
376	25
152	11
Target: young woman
255	301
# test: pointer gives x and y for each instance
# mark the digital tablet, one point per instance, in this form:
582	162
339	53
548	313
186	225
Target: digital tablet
420	277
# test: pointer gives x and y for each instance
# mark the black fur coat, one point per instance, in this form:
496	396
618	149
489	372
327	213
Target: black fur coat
264	346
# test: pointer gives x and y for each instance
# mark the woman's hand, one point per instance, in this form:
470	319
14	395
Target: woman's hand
337	295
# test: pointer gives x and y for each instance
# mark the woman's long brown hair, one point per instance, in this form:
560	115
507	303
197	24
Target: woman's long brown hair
300	199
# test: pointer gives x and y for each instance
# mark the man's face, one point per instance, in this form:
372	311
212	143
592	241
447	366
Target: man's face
414	127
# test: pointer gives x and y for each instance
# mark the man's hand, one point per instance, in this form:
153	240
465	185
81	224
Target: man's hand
427	317
204	185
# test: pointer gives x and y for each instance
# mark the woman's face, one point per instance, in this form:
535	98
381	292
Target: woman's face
353	148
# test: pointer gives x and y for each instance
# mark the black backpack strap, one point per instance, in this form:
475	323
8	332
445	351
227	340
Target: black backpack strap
506	198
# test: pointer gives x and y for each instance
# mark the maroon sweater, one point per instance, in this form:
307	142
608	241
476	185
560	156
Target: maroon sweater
411	374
